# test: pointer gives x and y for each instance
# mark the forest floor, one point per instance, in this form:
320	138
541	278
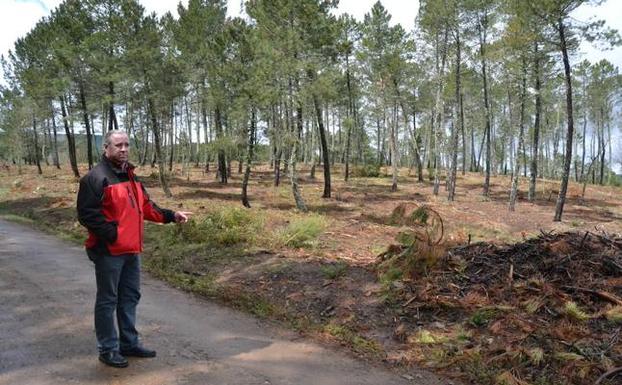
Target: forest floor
504	298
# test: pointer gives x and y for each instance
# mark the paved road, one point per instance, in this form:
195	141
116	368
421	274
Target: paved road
46	331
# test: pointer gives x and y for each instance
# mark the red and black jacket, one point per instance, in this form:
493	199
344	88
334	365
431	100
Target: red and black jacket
112	205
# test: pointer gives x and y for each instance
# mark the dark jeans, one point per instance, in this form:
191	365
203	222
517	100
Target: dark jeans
118	289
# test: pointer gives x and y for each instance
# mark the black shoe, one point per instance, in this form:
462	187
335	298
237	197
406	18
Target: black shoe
139	351
114	359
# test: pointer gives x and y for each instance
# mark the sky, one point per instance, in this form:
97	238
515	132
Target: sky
17	17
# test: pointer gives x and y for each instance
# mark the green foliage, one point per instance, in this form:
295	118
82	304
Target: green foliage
614	314
616	180
224	226
426	337
572	310
391	275
334	270
406	238
483	316
350	337
536	356
302	231
366	171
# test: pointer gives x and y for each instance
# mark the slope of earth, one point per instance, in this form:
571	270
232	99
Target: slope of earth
478	310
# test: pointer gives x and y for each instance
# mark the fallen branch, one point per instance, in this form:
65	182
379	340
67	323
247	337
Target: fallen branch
409	301
603	294
610	373
587	233
607	240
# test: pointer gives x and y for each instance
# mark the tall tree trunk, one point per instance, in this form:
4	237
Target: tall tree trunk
145	136
413	142
36	143
350	120
113	124
186	129
277	167
561	198
95	146
394	152
87	125
462	130
416	140
47	142
206	133
71	144
158	151
56	159
347	150
222	161
325	153
300	203
249	158
171	139
536	128
515	174
602	145
378	141
482	27
609	169
474	161
438	111
584	139
201	121
454	132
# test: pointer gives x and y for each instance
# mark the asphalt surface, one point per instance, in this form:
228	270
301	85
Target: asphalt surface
47	291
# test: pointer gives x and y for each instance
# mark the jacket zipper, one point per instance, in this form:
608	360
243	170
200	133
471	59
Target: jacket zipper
140	224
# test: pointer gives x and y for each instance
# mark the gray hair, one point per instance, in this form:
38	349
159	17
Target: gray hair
109	134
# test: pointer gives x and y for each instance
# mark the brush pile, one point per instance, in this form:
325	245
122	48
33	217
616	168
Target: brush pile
544	311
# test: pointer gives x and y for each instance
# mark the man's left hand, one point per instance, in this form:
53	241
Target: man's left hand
182	216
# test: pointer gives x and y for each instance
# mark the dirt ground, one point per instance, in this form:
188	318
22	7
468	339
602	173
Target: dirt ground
359	301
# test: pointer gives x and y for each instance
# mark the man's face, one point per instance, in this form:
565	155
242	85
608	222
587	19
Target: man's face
118	150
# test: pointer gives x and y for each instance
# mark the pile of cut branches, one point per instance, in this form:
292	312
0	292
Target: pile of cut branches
544	311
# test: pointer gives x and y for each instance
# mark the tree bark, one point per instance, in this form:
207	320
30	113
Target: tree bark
171	139
158	151
71	144
300	203
87	125
56	159
350	121
222	162
206	133
584	138
515	175
277	167
536	128
249	159
438	112
482	26
394	152
325	153
602	146
113	124
561	198
36	143
462	130
454	132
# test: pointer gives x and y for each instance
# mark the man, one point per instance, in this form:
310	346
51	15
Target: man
112	204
